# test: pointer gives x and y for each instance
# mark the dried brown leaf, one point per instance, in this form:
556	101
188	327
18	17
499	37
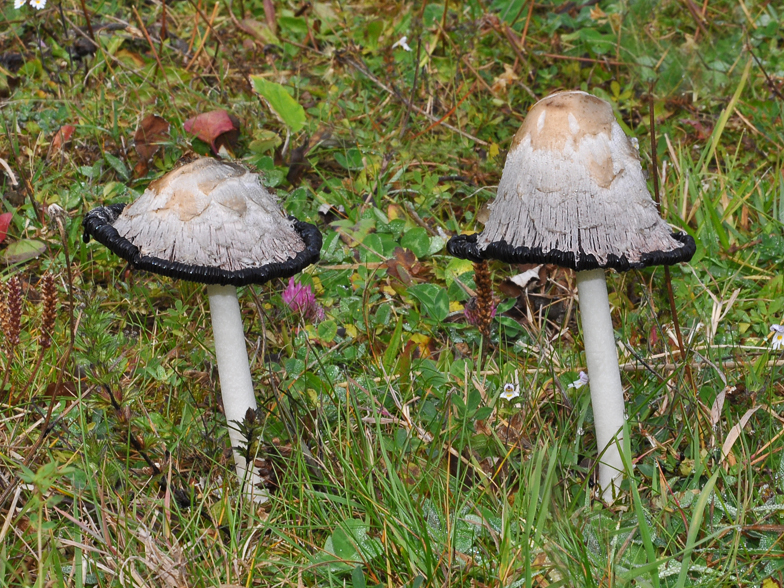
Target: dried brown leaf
152	131
61	138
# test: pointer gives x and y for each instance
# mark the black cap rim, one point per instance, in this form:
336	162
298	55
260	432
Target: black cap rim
465	247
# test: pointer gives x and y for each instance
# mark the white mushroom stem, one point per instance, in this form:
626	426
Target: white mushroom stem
233	369
601	357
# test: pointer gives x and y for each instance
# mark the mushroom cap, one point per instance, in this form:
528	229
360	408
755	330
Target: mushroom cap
573	194
210	222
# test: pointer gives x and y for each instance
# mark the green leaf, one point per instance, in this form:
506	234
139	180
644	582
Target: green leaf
390	355
117	165
417	241
436	244
433	299
694	528
23	250
358	578
294	24
272	178
351	159
327	331
264	141
456	268
350	542
281	102
483	412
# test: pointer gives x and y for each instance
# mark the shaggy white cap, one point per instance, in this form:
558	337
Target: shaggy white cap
573	184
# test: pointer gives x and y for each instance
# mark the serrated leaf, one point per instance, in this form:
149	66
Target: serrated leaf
281	102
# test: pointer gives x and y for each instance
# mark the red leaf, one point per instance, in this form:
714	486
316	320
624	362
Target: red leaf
152	131
62	137
216	128
5	220
703	132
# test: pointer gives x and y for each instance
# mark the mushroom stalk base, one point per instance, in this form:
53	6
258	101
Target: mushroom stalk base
234	371
601	357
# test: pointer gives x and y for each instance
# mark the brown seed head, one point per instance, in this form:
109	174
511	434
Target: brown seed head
49	302
11	312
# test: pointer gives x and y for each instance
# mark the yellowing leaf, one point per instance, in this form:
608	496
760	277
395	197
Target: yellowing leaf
493	151
394	211
455	306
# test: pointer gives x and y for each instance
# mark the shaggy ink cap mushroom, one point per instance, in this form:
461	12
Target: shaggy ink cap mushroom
210	222
214	223
573	194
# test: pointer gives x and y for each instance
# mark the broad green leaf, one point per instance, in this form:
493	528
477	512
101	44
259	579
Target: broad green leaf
351	159
264	141
456	268
358	578
23	250
281	102
433	300
350	542
417	241
327	331
436	244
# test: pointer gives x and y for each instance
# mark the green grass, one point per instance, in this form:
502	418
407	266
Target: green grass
394	461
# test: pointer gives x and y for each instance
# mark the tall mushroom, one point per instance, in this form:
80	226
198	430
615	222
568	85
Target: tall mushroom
573	194
214	223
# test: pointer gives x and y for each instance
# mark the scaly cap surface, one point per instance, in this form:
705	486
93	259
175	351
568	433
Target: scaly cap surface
573	194
210	222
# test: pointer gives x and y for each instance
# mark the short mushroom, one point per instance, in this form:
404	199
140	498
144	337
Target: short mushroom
214	223
573	194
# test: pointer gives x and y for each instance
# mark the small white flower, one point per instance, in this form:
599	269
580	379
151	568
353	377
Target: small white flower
510	391
581	381
38	4
636	144
778	336
19	3
402	43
